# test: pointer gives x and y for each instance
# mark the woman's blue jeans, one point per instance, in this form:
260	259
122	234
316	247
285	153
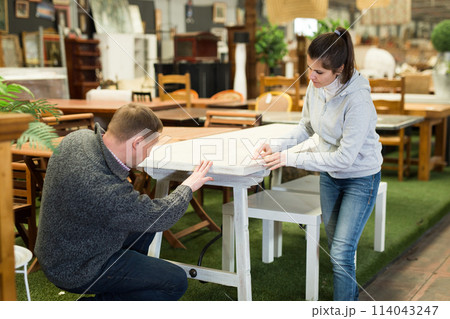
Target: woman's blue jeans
130	274
346	206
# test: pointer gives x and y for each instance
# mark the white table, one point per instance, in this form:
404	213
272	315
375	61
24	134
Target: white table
233	167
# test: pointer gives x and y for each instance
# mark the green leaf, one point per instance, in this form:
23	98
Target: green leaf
38	134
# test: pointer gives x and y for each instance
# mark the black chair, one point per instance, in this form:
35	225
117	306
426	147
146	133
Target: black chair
141	96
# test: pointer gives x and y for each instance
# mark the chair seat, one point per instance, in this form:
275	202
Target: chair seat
22	256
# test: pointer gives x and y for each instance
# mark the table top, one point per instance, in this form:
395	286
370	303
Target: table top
412	98
71	106
231	152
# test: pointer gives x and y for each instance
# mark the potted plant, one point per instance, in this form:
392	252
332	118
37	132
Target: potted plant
440	38
270	46
38	133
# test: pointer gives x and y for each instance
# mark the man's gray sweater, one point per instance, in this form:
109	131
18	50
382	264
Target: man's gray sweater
89	208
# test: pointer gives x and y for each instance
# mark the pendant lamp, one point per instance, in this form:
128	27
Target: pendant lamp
284	11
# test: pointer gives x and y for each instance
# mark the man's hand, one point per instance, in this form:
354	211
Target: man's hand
198	178
275	160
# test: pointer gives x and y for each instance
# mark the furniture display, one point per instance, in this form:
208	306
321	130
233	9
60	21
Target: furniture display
170	79
276	207
284	84
196	46
230	118
22	257
310	184
141	96
228	95
24	204
233	167
65	124
401	140
11	127
83	64
44	82
106	94
206	78
127	56
274	101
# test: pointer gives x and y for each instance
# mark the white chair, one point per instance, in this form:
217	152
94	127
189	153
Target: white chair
275	206
22	257
108	95
310	184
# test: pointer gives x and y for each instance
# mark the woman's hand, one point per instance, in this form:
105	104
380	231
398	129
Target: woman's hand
275	160
271	160
198	178
262	151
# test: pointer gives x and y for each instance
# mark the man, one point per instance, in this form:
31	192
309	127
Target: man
95	229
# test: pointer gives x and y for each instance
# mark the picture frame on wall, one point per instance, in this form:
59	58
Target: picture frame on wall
219	12
52	50
11	53
22	9
62	14
4	16
30	44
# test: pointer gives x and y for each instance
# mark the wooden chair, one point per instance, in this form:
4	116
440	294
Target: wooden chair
274	101
66	124
170	79
228	95
232	118
24	204
181	92
401	140
141	96
290	86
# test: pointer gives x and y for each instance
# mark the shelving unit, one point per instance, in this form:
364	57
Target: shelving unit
83	63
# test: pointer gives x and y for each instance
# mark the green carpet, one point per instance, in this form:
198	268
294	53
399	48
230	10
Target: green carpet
412	208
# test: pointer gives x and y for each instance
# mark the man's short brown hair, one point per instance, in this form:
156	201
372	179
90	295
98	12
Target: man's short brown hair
131	119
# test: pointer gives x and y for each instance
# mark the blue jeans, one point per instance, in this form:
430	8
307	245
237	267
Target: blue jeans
132	275
346	206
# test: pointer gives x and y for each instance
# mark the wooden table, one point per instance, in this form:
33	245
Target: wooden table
233	167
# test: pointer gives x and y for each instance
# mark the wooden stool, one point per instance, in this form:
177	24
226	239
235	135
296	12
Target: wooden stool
278	206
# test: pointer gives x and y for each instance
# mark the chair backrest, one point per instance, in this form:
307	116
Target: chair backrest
141	96
281	83
394	86
417	83
215	118
181	92
66	124
22	185
229	95
185	79
274	101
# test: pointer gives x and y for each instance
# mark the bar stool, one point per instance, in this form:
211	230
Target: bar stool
22	257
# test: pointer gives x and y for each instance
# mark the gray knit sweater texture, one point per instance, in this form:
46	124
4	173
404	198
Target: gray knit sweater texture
89	208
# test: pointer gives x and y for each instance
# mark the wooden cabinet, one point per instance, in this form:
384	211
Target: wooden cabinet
83	62
196	47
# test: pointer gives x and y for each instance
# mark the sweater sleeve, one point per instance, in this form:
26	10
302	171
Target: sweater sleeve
132	211
355	130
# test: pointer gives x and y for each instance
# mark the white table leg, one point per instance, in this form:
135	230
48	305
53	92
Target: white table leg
312	261
242	243
162	190
268	241
278	239
228	241
380	217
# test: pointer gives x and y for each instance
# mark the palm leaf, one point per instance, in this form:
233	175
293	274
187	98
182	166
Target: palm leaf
38	134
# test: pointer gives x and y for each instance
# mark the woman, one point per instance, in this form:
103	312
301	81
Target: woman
339	110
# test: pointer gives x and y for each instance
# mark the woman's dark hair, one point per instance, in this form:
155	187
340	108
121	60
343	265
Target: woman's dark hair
334	49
